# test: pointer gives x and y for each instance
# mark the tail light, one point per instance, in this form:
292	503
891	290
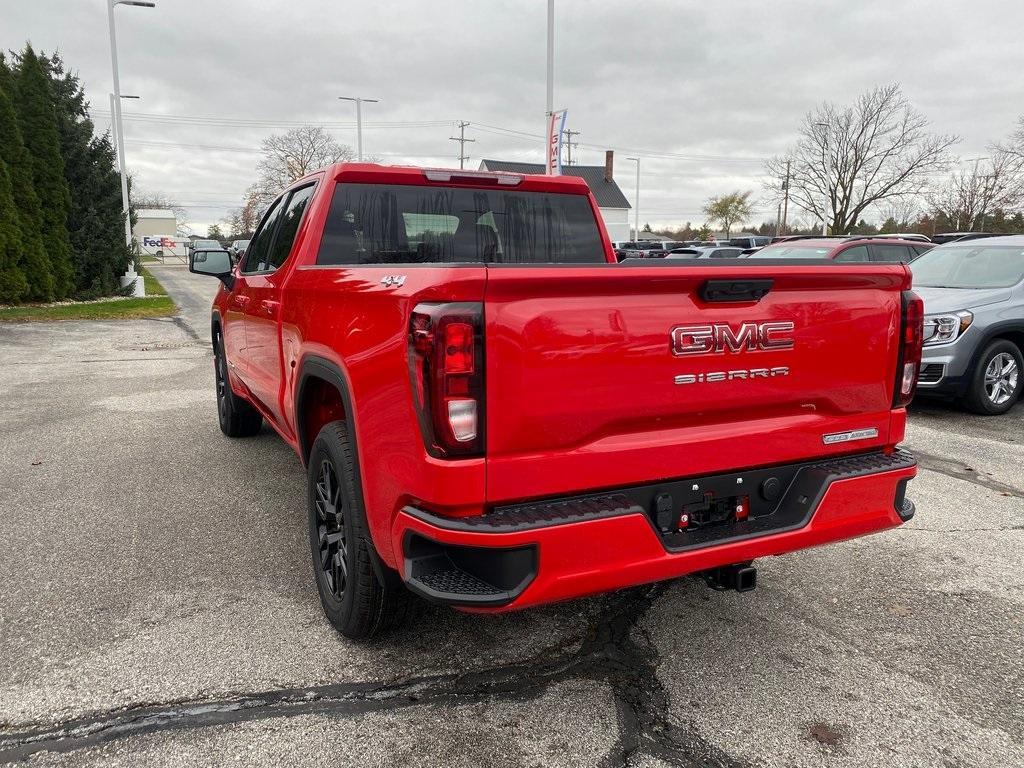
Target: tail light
446	363
911	341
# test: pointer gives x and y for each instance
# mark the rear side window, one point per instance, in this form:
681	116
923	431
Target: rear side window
856	253
891	254
404	224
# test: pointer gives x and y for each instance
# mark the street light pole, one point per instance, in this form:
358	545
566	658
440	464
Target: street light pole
550	77
359	121
973	198
636	201
130	277
828	174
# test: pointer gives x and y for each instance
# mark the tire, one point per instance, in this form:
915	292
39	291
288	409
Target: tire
356	600
237	417
997	379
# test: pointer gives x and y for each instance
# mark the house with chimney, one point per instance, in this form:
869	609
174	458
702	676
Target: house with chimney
600	178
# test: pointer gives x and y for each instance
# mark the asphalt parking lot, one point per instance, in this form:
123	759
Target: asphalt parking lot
158	608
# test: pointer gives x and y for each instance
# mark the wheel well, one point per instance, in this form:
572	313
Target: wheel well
320	402
1015	337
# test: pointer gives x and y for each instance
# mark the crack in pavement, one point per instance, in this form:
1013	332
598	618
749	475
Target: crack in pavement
961	471
608	654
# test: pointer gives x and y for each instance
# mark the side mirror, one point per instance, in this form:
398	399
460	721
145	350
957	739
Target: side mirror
214	263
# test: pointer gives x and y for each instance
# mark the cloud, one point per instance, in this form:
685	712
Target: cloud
728	81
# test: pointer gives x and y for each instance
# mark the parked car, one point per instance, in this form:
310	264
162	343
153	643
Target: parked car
237	248
904	236
948	237
705	252
882	250
495	438
750	242
204	245
642	249
973	295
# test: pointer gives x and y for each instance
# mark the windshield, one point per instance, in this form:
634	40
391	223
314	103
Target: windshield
783	251
969	266
207	244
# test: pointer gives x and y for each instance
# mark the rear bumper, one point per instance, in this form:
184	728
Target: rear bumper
565	548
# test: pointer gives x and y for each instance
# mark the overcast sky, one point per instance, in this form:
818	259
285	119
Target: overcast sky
720	85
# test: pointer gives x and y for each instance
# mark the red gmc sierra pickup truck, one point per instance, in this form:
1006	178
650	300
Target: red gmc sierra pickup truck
495	414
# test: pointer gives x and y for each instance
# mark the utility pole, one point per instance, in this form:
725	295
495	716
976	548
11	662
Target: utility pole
636	206
130	277
569	143
785	198
461	138
359	121
551	76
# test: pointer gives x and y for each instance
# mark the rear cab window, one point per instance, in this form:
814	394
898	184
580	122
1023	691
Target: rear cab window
410	224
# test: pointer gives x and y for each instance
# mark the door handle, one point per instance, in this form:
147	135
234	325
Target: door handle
269	306
240	301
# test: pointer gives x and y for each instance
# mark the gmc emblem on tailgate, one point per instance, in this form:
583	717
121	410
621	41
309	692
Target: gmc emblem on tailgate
720	337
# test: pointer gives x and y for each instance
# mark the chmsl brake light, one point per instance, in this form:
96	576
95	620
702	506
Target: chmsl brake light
911	342
446	367
502	178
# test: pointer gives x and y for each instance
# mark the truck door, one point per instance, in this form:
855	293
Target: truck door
263	311
240	298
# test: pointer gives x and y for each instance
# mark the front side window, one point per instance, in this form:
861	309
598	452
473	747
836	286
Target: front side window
969	266
406	224
290	220
258	253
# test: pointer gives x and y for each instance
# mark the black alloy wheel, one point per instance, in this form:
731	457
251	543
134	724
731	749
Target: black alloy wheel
220	370
330	512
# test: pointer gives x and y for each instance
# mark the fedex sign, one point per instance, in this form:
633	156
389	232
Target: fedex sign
158	242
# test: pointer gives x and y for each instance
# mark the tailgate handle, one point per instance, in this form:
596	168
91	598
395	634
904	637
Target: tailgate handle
736	290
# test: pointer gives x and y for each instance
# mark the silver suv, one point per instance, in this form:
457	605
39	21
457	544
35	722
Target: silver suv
973	295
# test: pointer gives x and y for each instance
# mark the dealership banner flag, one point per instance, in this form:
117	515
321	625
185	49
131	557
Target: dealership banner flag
556	129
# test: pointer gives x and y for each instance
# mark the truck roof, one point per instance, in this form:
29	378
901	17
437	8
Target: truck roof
375	173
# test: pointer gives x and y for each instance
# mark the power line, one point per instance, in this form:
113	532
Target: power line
260	123
253	150
461	138
498	130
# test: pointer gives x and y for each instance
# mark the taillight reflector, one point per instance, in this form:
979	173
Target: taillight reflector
911	341
446	366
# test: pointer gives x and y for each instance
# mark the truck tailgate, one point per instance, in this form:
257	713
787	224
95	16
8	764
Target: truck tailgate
603	376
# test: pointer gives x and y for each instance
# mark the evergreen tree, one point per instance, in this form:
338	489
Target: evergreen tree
13	285
38	122
32	261
95	219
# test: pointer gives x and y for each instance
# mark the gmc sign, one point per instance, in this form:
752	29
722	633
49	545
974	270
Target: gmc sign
720	337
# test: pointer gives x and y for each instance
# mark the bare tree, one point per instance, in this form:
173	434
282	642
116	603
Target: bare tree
1015	146
241	221
872	152
290	156
993	183
903	211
